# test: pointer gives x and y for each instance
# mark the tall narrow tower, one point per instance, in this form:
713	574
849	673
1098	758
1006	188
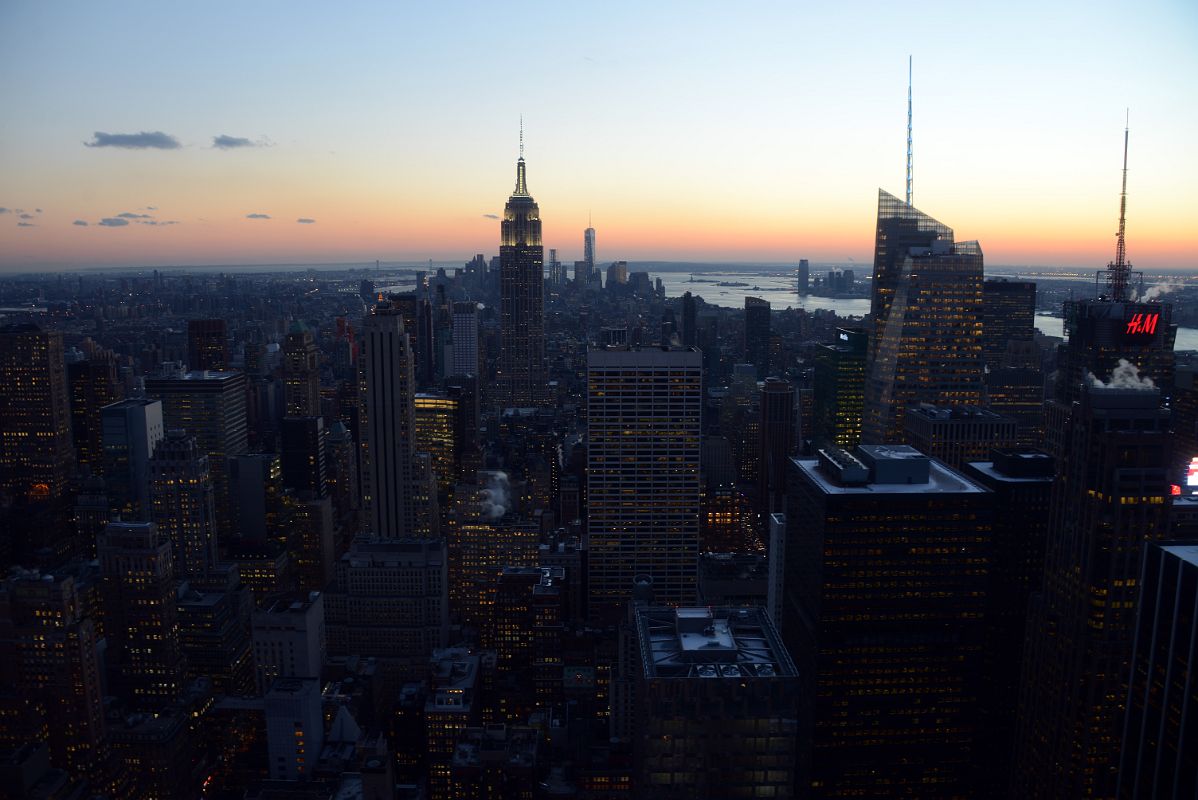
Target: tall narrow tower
521	296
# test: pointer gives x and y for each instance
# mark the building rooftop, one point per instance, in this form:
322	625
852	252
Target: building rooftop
721	642
1186	552
940	478
947	412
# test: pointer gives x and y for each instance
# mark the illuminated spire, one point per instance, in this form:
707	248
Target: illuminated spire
521	182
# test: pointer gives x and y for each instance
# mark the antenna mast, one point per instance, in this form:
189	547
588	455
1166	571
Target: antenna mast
521	136
908	131
1119	271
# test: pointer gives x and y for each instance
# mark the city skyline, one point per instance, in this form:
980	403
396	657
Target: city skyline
760	138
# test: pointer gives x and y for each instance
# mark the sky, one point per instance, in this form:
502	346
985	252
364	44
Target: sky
688	131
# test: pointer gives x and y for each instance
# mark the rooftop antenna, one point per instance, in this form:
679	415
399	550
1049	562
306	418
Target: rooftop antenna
1119	271
521	136
908	131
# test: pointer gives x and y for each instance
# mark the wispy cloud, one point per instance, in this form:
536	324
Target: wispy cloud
26	216
131	215
38	210
226	142
145	140
113	222
4	210
491	216
158	222
305	221
257	216
26	225
80	222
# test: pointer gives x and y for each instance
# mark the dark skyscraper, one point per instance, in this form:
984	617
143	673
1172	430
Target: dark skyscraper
757	335
207	345
301	373
839	389
803	279
1008	315
777	436
521	297
689	332
927	337
183	509
1111	495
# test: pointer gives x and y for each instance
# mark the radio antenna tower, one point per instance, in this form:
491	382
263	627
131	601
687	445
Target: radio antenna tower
1119	271
908	131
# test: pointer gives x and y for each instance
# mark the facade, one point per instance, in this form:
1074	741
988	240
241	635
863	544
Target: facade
93	384
1008	315
757	335
303	457
255	495
643	444
301	373
588	251
37	456
926	345
207	345
884	602
839	390
465	339
294	727
214	630
130	430
777	439
289	639
1111	495
183	506
521	298
957	435
1102	334
717	705
1158	758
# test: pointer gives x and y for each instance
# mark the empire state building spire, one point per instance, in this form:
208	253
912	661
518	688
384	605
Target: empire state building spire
521	181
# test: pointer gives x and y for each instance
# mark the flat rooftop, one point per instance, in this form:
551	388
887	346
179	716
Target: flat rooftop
987	469
1186	552
941	480
721	642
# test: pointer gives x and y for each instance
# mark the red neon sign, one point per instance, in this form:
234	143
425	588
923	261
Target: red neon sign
1143	323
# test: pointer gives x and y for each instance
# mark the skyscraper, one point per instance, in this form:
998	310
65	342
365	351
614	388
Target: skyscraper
465	339
1008	315
183	507
129	432
36	453
776	442
521	297
839	390
804	277
207	345
93	384
689	331
957	435
643	443
301	373
927	337
757	334
1111	495
588	250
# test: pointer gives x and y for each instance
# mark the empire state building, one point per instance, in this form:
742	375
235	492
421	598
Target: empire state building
522	301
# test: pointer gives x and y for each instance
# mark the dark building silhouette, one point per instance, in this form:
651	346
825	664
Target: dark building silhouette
1101	334
886	557
839	390
926	345
1111	495
207	345
957	435
521	297
182	503
757	334
776	443
1159	759
689	331
301	373
1008	315
93	384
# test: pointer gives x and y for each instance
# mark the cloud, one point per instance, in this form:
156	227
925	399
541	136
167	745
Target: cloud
151	208
158	222
257	216
80	222
38	210
114	222
305	221
491	216
26	216
1125	376
130	215
26	225
224	142
146	140
4	210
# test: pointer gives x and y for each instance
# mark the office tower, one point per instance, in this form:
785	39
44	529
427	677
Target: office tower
301	372
1017	392
417	311
617	274
1185	427
93	384
294	727
717	704
776	442
207	345
303	456
467	454
389	601
588	250
255	496
521	298
92	515
495	761
1021	481
311	542
51	661
343	473
839	390
1008	315
182	504
643	442
926	308
528	622
804	277
757	334
436	434
289	639
452	705
159	753
957	435
582	274
141	621
36	454
130	431
1111	495
1159	758
214	630
689	332
211	406
886	558
465	339
388	414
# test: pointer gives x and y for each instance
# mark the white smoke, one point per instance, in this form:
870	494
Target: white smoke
495	498
1156	291
1125	376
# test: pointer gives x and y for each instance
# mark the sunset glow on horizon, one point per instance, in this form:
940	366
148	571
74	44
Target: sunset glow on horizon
683	135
